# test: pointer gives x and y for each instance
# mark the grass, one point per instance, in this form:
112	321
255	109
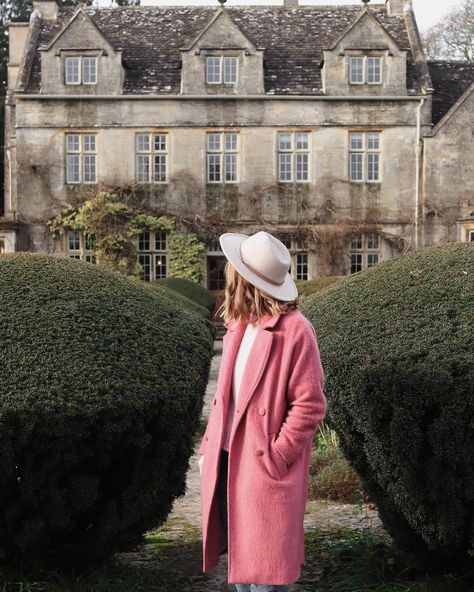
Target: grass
363	562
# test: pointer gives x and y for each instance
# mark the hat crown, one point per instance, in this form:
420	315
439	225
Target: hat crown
267	255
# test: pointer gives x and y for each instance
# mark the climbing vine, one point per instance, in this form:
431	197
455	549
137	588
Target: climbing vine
114	217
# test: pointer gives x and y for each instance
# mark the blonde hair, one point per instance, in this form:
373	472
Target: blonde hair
246	303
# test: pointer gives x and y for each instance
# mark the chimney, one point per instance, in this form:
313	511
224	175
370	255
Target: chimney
398	7
290	3
47	8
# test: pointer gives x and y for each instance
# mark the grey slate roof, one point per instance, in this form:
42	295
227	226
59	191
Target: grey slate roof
151	37
450	80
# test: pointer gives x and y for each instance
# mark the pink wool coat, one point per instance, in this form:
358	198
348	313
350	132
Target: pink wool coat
280	404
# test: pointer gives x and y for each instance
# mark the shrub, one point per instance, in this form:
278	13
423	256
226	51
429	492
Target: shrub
308	287
101	392
191	290
396	344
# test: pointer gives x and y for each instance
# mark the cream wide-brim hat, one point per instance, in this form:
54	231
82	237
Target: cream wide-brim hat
262	260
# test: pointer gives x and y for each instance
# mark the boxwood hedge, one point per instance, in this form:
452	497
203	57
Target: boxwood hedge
101	391
397	347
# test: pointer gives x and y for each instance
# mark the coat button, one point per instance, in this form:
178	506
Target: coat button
259	452
262	411
214	402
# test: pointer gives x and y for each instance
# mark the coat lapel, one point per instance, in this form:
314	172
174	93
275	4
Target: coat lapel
255	365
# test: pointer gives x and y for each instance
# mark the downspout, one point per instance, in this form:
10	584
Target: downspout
418	155
10	209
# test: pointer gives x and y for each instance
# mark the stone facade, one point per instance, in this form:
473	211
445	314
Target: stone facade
295	119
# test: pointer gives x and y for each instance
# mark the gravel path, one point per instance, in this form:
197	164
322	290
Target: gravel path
183	554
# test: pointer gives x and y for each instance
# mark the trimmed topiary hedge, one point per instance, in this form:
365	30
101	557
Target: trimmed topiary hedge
195	292
397	348
101	391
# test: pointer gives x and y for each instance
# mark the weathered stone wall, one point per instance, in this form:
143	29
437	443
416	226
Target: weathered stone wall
449	177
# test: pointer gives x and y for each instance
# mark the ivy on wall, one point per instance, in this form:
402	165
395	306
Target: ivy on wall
115	218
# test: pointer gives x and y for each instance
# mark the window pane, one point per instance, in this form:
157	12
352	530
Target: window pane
374	70
357	141
284	141
302	142
213	167
145	262
284	167
373	167
213	69
74	240
372	240
143	142
373	141
213	141
89	70
356	262
302	266
73	168
160	142
72	70
160	240
159	168
230	141
356	70
356	243
89	242
143	168
301	167
230	167
230	70
72	143
372	259
89	143
89	168
144	241
356	165
160	266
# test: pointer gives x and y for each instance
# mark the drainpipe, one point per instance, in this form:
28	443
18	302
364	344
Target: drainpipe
418	153
7	152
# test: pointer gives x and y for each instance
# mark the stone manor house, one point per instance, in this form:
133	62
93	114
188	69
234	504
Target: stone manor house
324	125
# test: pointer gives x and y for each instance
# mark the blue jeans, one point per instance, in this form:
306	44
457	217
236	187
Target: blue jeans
222	488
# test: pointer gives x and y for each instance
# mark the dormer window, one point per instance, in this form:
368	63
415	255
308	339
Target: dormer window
221	69
80	70
365	70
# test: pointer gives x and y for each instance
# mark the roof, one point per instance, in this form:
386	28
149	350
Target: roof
450	80
293	38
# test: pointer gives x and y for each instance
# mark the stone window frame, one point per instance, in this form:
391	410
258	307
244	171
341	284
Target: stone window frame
79	55
365	151
151	152
467	233
294	151
222	69
365	69
84	250
151	246
83	154
2	246
221	152
362	251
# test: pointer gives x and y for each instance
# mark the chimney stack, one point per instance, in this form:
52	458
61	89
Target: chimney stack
48	9
398	7
290	3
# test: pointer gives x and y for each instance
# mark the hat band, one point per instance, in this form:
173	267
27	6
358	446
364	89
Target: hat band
257	272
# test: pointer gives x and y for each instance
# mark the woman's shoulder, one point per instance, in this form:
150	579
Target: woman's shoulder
297	322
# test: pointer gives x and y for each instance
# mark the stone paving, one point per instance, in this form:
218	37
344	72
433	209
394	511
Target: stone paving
183	527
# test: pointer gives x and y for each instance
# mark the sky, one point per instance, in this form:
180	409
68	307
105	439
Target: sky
428	12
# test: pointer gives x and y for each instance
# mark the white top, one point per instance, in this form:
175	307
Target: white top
239	366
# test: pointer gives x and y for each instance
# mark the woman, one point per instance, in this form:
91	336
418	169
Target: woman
269	401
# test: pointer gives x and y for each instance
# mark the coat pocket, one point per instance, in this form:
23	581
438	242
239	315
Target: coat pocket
277	460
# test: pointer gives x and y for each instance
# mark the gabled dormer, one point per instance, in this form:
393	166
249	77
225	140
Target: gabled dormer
365	60
81	60
222	60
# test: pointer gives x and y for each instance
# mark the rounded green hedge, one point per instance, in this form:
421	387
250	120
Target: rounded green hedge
397	348
101	392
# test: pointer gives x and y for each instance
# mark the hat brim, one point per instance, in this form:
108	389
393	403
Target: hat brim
230	243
